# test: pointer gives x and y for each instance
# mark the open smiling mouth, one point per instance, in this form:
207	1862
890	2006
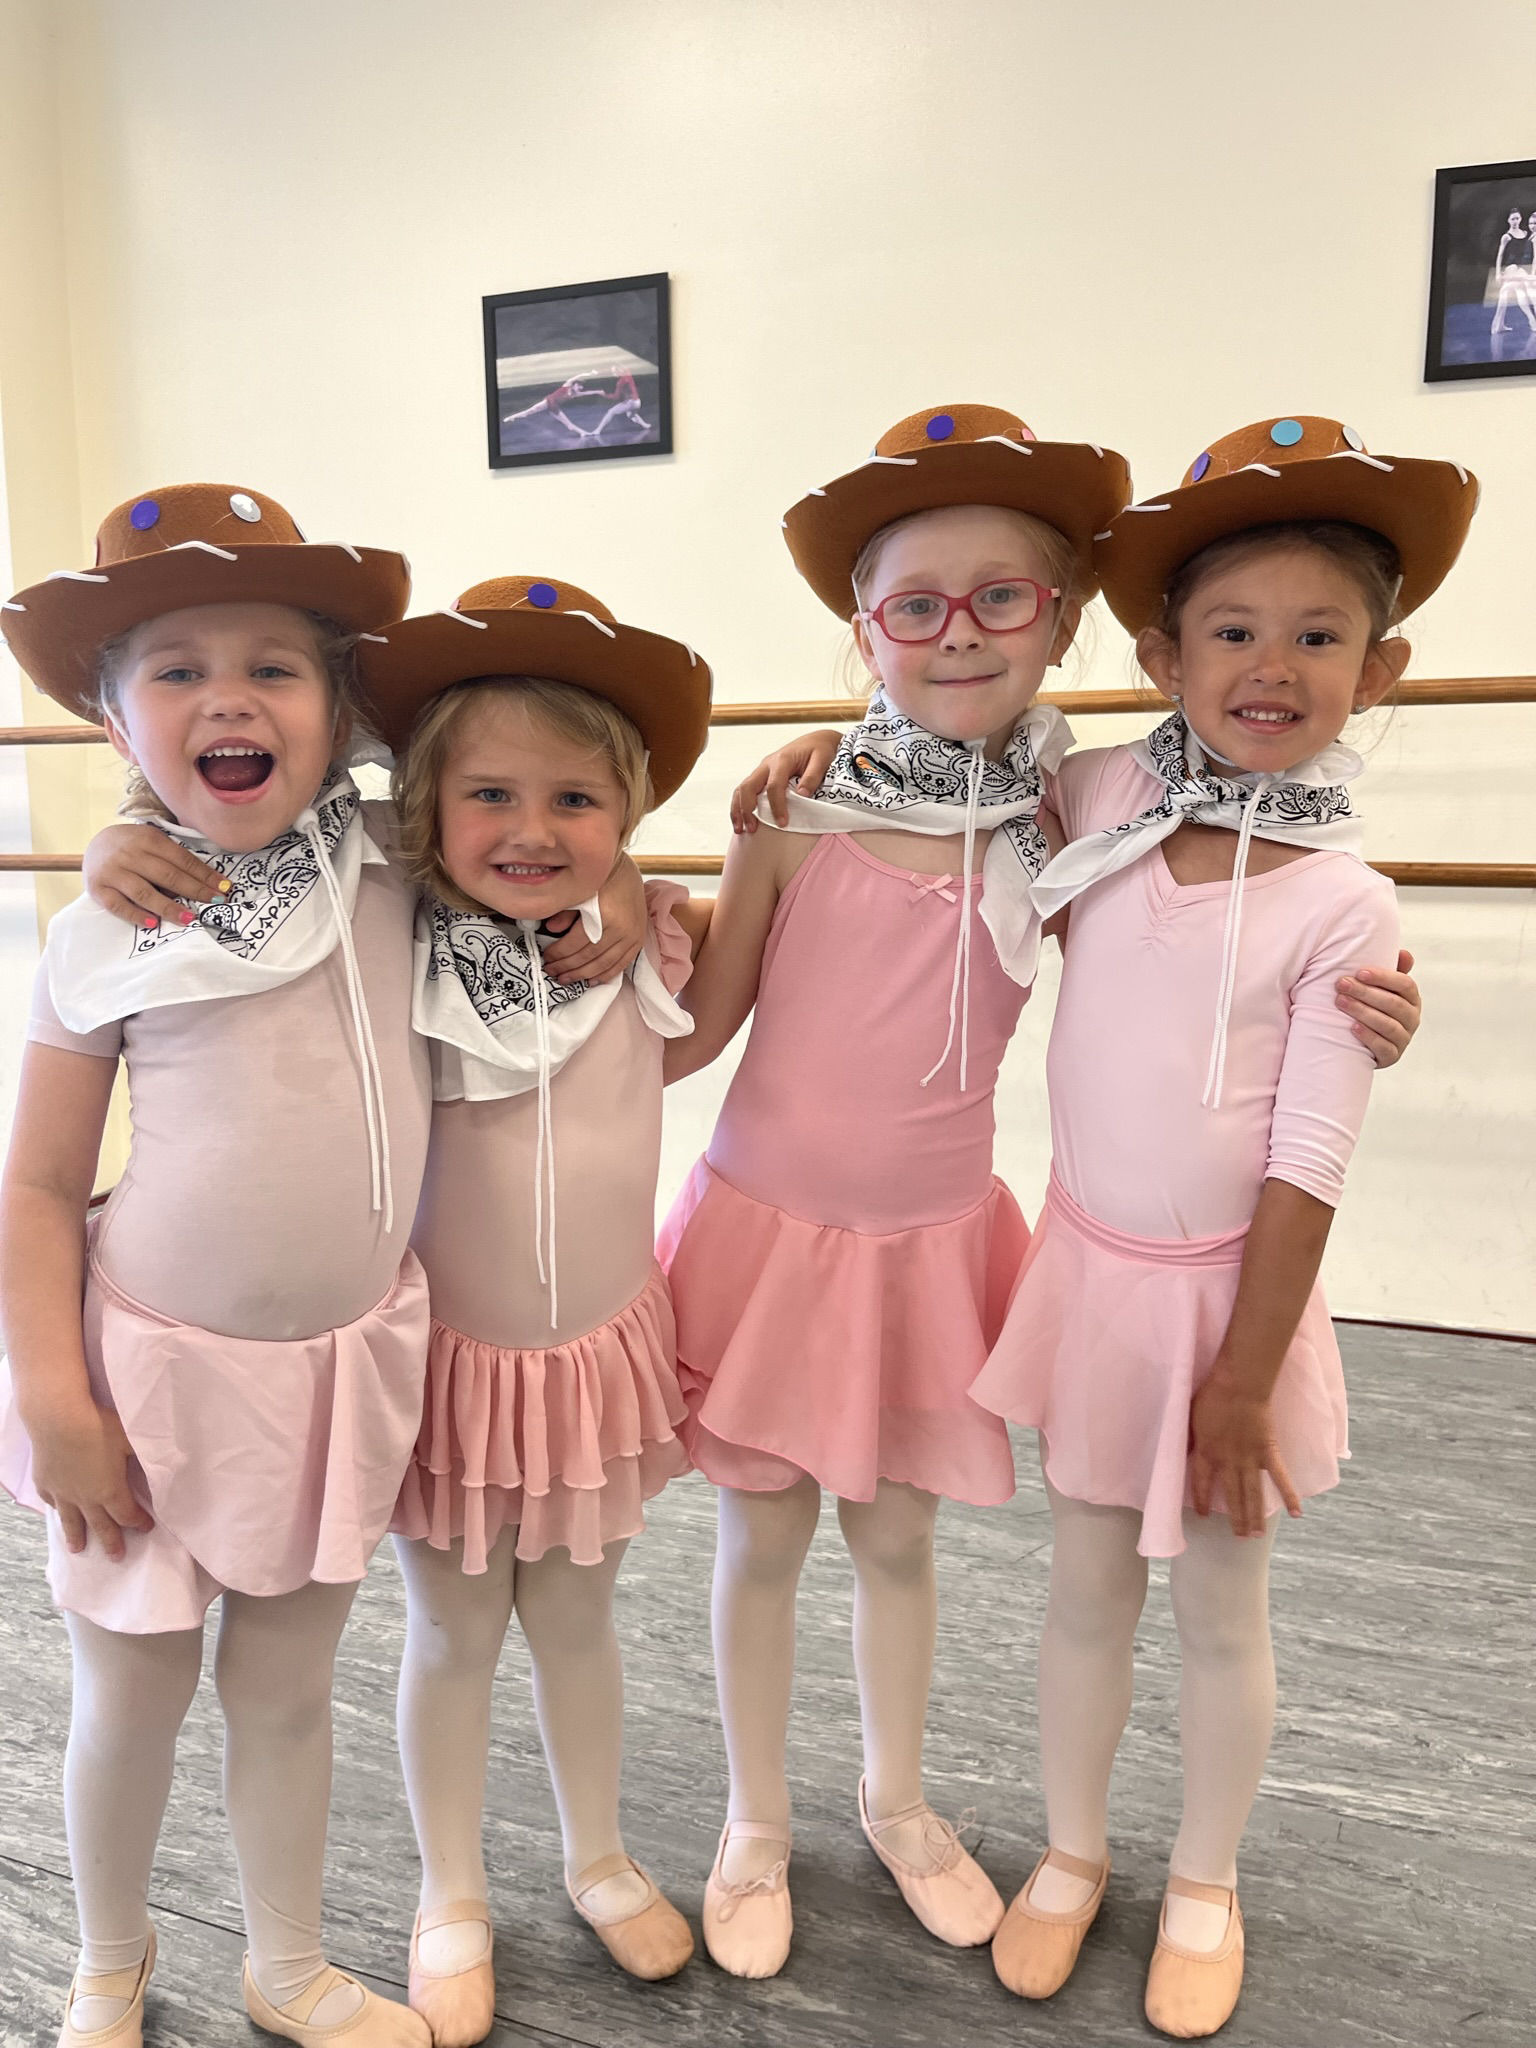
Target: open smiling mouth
235	771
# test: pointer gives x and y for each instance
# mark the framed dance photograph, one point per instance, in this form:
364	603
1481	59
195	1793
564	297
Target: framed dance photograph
579	372
1482	279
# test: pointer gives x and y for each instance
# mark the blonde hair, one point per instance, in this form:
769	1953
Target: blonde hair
573	714
1049	542
337	652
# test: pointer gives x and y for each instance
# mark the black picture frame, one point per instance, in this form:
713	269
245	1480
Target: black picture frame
612	336
1482	297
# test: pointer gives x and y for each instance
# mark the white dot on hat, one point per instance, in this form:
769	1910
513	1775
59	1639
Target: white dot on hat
1352	438
245	507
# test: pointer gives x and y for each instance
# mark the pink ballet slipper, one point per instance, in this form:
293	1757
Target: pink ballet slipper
955	1899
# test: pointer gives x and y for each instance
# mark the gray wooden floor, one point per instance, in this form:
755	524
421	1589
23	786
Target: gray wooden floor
1390	1870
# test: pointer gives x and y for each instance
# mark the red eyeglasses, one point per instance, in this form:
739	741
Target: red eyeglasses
1005	605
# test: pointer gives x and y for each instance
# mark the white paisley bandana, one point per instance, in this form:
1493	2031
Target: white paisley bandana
498	1026
892	773
1306	806
289	907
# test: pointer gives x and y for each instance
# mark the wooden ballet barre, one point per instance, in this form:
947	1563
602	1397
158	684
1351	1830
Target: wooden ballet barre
845	710
1408	874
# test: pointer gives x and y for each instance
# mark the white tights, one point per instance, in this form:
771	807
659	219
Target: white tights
273	1670
455	1627
763	1541
1220	1590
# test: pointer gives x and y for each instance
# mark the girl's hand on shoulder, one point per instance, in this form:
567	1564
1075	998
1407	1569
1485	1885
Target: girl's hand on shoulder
1386	1006
621	900
1232	1442
141	875
803	763
80	1469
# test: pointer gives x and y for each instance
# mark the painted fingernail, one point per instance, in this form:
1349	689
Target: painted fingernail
186	917
225	885
151	924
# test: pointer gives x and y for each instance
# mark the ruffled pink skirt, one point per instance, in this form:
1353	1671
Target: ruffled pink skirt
805	1348
565	1444
1107	1342
265	1464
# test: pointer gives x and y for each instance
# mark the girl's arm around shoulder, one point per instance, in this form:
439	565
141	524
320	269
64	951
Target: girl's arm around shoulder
723	986
1096	787
79	1452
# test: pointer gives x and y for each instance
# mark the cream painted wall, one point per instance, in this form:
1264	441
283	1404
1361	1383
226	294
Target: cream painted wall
1138	224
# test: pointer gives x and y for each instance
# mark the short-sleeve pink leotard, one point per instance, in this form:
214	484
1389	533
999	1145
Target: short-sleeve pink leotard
258	1330
562	1431
842	1256
1130	1282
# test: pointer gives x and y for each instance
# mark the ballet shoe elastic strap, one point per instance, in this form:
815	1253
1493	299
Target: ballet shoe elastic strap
459	1914
1074	1866
1207	1894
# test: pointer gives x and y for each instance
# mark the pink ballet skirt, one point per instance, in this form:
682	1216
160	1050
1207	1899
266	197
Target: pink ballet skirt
266	1464
1109	1338
806	1348
565	1444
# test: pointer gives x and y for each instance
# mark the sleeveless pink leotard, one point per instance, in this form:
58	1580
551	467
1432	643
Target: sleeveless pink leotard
841	1258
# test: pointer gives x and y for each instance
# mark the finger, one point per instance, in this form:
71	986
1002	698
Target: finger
1368	999
72	1524
1405	962
1253	1500
117	905
813	774
601	963
1275	1465
777	792
1200	1484
181	873
1397	1030
126	1510
105	1530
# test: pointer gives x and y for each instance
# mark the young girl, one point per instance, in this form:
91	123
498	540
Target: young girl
842	1258
1168	1338
233	1412
543	731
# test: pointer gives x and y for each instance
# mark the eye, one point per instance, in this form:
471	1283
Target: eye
998	595
270	671
1319	636
1233	635
489	795
180	673
575	800
917	604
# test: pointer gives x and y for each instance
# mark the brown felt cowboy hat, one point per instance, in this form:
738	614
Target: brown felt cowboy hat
954	455
1274	472
534	626
184	545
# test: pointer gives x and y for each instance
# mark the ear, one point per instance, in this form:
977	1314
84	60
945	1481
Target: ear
1159	657
863	643
1071	617
119	739
1381	671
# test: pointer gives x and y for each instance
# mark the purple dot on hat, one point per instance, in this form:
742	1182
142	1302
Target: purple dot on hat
544	595
940	427
144	515
1285	433
1199	466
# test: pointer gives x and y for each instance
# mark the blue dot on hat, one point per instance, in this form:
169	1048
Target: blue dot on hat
1199	466
1285	433
544	595
144	515
940	427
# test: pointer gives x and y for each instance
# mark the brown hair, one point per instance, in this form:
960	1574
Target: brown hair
1368	558
337	651
1049	542
577	715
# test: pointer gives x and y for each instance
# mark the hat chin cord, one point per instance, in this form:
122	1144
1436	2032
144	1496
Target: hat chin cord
382	1180
960	983
544	1154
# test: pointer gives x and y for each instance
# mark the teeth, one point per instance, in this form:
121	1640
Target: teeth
1269	717
220	753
